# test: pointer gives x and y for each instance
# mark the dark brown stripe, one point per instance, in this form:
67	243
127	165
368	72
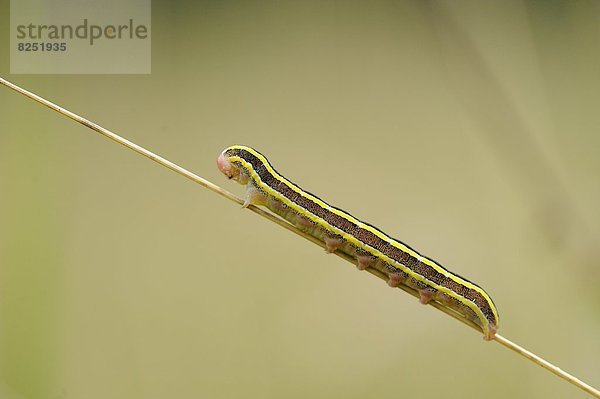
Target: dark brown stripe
364	235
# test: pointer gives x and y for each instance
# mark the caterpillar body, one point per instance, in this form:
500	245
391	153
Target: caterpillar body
370	247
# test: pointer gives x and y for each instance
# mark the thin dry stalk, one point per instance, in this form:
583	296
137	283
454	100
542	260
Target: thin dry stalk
273	218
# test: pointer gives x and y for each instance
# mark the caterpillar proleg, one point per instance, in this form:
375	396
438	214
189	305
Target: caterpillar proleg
370	247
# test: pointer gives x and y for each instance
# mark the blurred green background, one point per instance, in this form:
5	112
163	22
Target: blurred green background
468	130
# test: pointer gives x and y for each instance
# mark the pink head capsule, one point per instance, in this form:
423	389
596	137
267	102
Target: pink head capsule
225	166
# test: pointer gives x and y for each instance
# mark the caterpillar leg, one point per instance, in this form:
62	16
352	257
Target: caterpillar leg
303	223
332	243
395	276
364	261
394	280
254	196
426	295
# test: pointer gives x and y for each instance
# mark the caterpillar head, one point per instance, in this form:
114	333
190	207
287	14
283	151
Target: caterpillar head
231	169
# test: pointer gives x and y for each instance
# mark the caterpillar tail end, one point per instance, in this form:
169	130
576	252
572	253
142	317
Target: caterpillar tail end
490	333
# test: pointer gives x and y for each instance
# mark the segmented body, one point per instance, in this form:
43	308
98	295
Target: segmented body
368	245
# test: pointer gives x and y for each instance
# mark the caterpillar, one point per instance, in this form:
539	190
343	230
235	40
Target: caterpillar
371	247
